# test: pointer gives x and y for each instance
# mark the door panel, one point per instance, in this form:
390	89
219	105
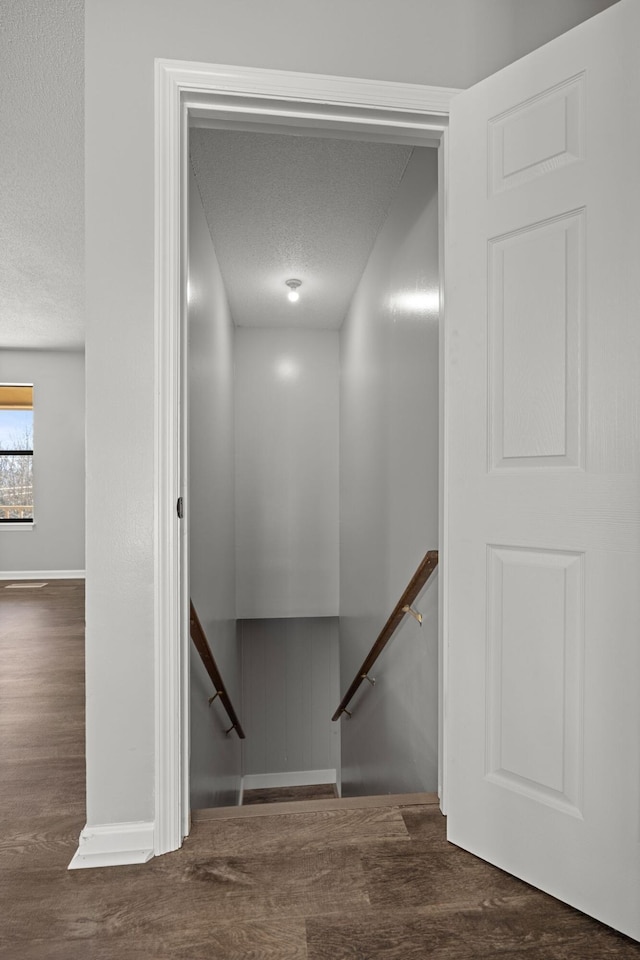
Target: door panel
543	552
535	674
536	403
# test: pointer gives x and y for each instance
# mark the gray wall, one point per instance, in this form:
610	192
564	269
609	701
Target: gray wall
453	43
287	393
215	758
287	472
290	681
389	493
56	541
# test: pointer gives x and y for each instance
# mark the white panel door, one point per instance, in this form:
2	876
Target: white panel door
542	414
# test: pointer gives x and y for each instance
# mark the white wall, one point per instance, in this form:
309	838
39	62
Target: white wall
287	472
215	758
453	43
290	681
56	540
389	493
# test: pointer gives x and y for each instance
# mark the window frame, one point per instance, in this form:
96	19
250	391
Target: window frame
20	523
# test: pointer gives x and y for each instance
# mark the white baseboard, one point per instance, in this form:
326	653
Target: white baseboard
296	778
41	574
113	845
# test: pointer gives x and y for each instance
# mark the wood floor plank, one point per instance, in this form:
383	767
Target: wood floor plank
39	749
59	827
344	803
281	883
426	826
321	791
523	928
49	730
67	687
68	774
21	860
273	939
57	673
302	831
411	877
35	805
143	899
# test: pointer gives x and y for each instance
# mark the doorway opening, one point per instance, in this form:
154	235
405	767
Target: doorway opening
269	103
312	460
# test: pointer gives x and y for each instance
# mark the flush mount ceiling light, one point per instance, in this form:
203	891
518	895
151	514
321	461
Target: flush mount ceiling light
293	285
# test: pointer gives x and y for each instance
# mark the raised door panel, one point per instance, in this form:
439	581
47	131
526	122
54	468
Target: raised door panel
538	135
535	674
535	330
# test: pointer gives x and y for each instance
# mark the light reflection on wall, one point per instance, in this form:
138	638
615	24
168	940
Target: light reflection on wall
287	369
425	302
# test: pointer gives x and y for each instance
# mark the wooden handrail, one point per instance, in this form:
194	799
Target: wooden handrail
402	607
202	646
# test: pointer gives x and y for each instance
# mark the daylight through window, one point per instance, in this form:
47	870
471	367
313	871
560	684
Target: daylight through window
16	453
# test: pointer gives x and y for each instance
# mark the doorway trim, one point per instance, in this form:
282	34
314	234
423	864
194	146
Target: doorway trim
229	97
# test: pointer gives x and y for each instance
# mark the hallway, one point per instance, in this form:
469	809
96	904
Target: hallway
313	461
368	879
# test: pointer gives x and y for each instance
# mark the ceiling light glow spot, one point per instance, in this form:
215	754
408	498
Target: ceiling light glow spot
293	285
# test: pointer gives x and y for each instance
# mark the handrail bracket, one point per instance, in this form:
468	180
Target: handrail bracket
414	613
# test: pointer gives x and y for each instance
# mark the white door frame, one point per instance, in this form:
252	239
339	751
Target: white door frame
270	101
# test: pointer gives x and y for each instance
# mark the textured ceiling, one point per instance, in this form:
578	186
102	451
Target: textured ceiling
41	173
287	206
41	159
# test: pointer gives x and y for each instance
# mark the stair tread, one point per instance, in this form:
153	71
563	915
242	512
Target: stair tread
318	791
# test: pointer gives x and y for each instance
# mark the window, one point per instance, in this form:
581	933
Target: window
16	453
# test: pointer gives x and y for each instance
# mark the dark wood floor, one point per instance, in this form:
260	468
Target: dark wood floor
320	791
334	883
